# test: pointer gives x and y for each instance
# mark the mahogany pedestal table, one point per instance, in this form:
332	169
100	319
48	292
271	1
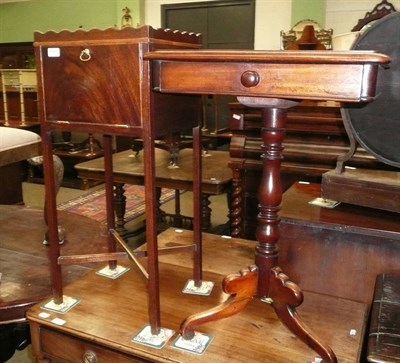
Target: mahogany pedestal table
24	263
272	81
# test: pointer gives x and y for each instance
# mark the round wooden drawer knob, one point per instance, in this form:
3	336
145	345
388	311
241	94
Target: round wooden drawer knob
89	357
250	79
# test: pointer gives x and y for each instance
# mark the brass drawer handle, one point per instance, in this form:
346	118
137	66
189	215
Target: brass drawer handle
250	79
85	55
89	357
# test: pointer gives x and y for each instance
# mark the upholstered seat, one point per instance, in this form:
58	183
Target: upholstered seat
17	145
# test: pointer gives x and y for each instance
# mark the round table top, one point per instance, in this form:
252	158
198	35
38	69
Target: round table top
24	266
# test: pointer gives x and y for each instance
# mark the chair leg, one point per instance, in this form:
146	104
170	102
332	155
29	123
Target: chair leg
58	177
58	168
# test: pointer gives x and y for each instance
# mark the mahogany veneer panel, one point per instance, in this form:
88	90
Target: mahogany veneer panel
105	90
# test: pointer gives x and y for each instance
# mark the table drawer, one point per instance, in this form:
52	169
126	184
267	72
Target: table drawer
64	348
262	80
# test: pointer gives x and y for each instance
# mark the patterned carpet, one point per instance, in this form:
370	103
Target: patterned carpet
93	204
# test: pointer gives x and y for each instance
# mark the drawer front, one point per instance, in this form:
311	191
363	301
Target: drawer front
298	81
64	348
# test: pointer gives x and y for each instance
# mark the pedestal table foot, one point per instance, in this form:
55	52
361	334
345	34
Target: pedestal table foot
285	296
241	286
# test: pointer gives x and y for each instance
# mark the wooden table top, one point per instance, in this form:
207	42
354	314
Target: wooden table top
111	312
272	74
23	257
369	221
128	168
